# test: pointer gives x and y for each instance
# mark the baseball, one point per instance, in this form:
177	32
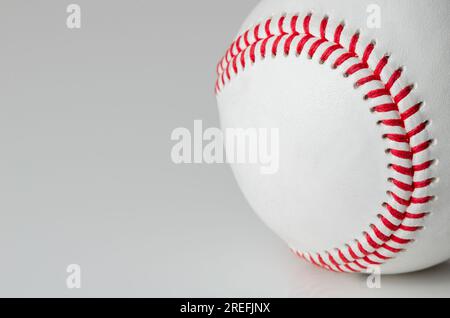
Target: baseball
360	92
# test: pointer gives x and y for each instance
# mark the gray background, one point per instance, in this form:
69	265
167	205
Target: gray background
85	169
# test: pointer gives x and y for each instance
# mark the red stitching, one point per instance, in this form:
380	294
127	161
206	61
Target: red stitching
329	51
342	59
306	23
323	27
356	68
368	52
366	80
389	224
315	46
380	67
354	42
338	33
267	28
395	76
288	43
358	58
403	170
302	44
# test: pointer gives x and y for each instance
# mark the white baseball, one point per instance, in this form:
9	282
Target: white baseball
360	92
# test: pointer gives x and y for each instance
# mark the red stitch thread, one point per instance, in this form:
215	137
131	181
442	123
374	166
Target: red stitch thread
384	108
403	170
323	27
354	42
280	25
355	68
389	224
399	240
421	147
403	186
399	199
392	249
395	76
315	46
402	154
366	80
329	51
403	94
397	138
344	57
377	254
302	43
421	127
395	213
256	32
423	166
411	112
275	45
381	65
410	228
377	93
368	52
246	41
416	216
338	33
267	28
294	24
306	23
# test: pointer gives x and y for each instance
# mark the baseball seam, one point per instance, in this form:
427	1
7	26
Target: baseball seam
390	98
